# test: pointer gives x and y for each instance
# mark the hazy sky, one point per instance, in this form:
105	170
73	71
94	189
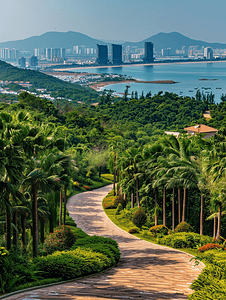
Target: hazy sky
131	20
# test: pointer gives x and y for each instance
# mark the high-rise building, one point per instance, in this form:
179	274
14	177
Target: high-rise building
22	62
208	53
62	52
102	54
116	52
48	53
33	61
148	52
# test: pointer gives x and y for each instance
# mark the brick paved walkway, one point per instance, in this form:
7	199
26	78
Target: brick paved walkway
145	271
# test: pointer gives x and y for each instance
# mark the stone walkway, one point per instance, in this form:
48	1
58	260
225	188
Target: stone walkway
145	271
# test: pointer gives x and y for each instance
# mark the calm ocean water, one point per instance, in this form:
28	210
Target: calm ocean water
187	75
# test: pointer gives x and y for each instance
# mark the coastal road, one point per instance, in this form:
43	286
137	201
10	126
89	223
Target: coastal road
145	271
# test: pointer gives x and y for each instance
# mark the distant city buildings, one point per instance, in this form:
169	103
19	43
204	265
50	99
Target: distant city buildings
11	54
22	62
208	53
148	52
102	54
116	51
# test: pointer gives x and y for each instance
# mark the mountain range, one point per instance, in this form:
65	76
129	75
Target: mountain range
69	39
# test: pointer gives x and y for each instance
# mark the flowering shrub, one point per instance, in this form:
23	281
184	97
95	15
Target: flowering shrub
3	251
139	218
159	229
208	247
61	239
133	230
184	227
108	202
76	183
87	187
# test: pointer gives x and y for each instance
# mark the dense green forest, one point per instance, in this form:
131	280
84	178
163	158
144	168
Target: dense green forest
57	87
50	151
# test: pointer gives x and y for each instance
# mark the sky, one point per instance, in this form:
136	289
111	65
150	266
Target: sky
124	20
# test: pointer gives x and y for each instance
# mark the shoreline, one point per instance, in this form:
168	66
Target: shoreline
99	85
135	65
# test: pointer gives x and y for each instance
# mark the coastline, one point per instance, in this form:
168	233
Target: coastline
135	65
99	85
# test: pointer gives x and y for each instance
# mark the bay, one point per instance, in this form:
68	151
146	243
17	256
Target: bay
187	76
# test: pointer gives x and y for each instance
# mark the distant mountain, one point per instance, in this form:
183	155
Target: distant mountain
53	39
174	40
69	39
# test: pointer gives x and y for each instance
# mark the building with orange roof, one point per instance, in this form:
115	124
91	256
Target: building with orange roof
200	128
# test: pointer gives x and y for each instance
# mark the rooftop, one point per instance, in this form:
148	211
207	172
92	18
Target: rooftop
200	128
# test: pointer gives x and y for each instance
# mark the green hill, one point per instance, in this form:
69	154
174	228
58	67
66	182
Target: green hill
52	84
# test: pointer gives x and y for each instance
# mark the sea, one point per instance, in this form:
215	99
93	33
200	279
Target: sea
189	78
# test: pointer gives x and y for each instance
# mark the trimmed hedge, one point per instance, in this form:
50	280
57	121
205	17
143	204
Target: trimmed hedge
159	229
184	227
139	218
184	240
72	264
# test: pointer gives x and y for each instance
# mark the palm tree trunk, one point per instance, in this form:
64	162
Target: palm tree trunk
114	174
184	206
164	206
156	204
201	215
42	229
65	202
15	232
137	192
179	209
173	209
8	227
214	227
35	232
132	201
23	232
61	200
219	223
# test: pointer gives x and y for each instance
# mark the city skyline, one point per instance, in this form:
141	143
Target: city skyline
127	20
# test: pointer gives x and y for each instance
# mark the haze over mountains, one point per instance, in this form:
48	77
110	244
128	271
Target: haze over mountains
69	39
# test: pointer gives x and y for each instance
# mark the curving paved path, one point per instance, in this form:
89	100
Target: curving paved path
145	271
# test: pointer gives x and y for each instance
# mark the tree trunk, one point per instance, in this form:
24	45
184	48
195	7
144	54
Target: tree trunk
65	202
114	174
179	209
214	227
8	227
156	204
184	206
173	210
201	215
42	229
23	232
15	232
35	232
164	206
118	182
219	224
132	201
137	192
61	200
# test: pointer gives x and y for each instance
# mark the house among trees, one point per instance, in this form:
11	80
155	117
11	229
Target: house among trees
200	128
207	115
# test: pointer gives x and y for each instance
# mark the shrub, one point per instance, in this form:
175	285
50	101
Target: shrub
108	176
70	221
87	187
91	240
119	208
159	229
139	218
72	264
62	238
133	230
184	227
108	202
209	247
78	233
184	240
120	200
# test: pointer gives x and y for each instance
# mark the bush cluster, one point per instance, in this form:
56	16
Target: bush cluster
209	247
139	218
159	229
119	209
108	202
184	227
120	200
61	239
184	240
